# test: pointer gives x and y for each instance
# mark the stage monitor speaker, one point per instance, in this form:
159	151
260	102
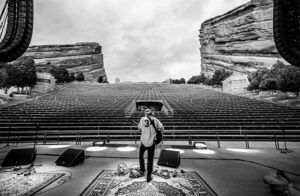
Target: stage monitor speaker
22	156
169	158
70	157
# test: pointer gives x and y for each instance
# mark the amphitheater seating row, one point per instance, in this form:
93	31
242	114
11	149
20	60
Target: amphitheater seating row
88	111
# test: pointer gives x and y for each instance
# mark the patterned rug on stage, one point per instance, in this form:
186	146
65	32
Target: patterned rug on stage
109	183
16	184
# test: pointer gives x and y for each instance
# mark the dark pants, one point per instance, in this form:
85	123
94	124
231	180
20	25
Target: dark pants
151	150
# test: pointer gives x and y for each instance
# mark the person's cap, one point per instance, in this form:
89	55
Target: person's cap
148	111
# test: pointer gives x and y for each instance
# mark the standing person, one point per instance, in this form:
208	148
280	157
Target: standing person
148	136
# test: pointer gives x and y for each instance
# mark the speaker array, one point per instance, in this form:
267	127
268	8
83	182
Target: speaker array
72	157
24	156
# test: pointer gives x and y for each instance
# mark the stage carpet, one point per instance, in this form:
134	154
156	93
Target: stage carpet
109	183
16	184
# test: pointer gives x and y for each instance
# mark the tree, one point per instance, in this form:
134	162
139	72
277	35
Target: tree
219	76
194	80
182	81
176	81
60	74
21	73
264	79
269	84
257	77
14	77
80	77
72	77
202	78
288	80
254	85
27	69
276	69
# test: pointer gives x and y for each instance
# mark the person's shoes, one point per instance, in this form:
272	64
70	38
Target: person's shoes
141	172
149	178
135	173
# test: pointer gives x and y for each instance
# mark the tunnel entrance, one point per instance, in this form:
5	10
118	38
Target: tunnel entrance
138	106
154	105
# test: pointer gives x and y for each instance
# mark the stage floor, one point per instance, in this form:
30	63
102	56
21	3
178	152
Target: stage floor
231	170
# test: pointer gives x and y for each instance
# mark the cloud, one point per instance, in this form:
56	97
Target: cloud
142	40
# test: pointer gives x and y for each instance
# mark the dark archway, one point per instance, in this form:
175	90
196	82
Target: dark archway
154	105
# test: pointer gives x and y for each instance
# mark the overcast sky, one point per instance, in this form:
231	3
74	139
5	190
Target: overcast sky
142	40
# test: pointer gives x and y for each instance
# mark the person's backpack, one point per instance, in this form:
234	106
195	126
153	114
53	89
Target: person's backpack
158	133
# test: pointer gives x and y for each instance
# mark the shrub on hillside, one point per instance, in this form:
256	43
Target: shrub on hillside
80	77
194	80
200	79
71	77
216	80
60	74
100	79
176	81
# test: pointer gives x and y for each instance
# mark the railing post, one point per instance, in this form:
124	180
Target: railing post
77	138
247	142
80	138
45	138
285	150
276	141
284	139
108	138
218	140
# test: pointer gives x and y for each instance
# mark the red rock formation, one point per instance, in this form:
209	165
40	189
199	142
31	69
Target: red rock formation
80	57
240	40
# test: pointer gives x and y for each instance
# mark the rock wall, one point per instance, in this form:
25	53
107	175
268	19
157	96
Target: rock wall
240	40
81	57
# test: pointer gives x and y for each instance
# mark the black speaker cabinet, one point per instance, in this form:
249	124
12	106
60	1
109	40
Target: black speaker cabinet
70	157
22	156
169	158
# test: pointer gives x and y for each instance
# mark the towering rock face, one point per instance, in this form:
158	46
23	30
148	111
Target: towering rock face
240	40
81	57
